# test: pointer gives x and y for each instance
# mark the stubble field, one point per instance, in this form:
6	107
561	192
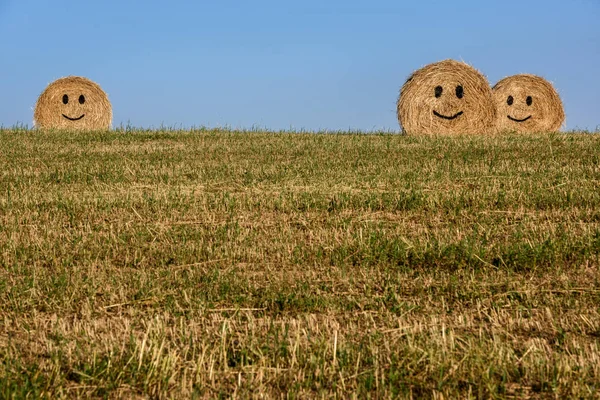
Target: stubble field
176	264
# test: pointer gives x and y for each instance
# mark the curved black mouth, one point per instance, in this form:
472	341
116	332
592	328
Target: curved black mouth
74	119
437	114
518	120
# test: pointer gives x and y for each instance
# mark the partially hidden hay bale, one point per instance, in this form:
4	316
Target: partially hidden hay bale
73	103
448	98
527	103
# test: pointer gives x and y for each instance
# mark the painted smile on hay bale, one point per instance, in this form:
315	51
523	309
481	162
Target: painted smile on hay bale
437	114
74	119
510	100
459	94
65	101
518	120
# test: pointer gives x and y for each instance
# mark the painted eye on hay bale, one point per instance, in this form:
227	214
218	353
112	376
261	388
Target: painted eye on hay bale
56	109
461	102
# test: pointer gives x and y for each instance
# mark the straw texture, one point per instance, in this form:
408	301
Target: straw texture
73	103
447	98
527	103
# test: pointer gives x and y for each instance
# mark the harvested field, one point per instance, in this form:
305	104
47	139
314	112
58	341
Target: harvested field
174	264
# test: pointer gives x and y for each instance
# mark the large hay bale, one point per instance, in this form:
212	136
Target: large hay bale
73	103
447	97
527	103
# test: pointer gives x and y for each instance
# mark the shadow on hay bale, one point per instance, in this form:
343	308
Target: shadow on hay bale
73	103
448	98
527	103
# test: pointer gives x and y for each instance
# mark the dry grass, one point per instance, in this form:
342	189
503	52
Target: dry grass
528	103
207	264
447	98
73	103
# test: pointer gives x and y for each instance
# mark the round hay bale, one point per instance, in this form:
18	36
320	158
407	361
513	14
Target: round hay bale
448	98
73	103
527	103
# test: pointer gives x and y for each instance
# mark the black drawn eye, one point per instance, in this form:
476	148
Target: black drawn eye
510	100
460	92
81	99
438	91
65	99
529	100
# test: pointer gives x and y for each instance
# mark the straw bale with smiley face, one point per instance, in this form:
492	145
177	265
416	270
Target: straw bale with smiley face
447	98
528	103
73	103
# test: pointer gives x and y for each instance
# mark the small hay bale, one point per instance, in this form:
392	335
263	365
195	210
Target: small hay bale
527	103
73	103
448	98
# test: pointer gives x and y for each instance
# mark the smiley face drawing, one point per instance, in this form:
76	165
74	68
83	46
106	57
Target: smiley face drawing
527	103
448	98
73	103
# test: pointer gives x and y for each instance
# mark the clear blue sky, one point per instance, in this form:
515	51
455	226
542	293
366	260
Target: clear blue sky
312	64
